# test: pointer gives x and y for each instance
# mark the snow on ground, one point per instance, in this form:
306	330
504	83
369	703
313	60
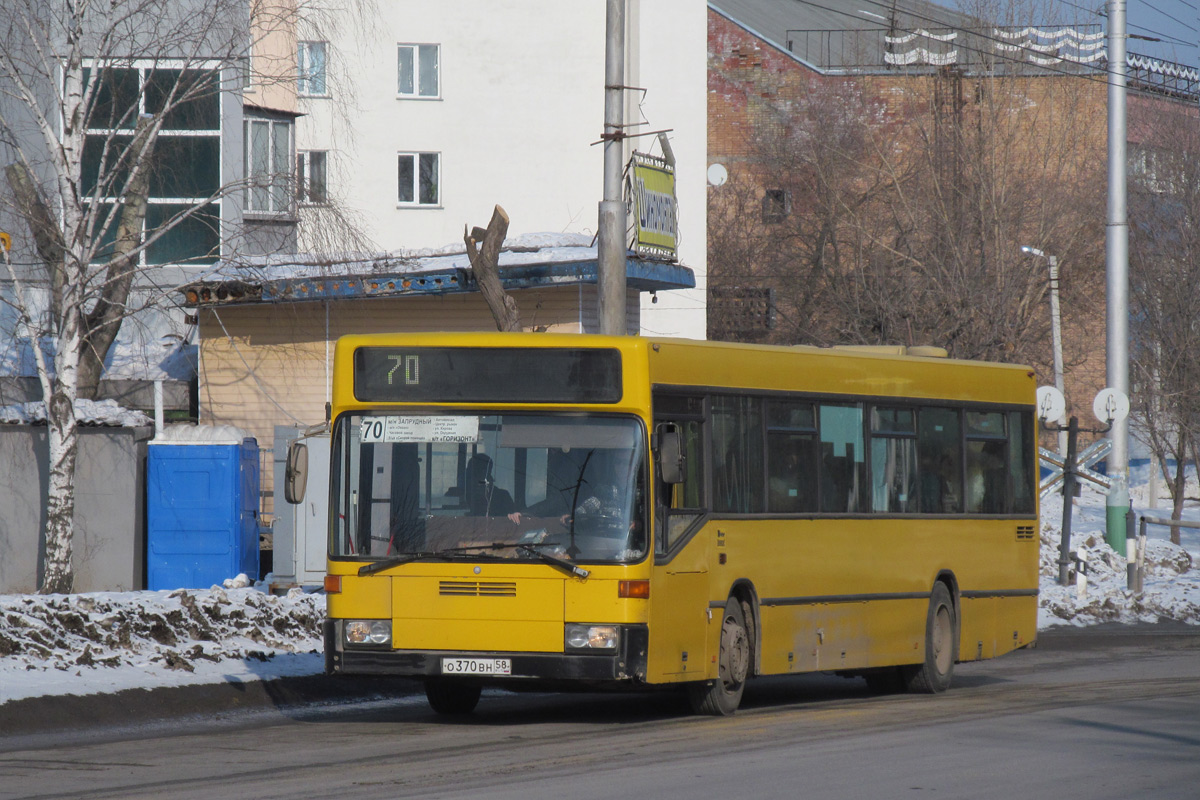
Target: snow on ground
106	642
109	641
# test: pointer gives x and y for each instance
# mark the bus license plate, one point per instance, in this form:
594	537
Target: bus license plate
476	666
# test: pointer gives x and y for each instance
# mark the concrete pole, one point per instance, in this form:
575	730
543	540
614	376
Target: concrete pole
1069	484
1117	284
611	245
1056	334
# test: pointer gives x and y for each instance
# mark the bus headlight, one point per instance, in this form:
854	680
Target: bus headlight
368	631
592	637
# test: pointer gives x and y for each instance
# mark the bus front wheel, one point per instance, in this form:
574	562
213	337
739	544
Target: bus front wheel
941	638
451	697
722	696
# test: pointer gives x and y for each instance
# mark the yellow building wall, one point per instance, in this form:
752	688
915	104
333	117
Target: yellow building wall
272	72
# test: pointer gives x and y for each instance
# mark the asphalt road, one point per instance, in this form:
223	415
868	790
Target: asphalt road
1094	713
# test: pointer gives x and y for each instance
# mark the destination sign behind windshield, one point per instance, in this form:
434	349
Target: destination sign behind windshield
487	375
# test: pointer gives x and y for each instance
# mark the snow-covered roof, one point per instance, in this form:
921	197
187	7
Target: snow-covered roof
199	434
87	412
154	344
527	260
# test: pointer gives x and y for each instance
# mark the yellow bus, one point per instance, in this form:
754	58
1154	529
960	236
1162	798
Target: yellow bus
540	510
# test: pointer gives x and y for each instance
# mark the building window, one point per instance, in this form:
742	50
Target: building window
311	188
417	70
185	166
310	69
268	161
776	205
419	178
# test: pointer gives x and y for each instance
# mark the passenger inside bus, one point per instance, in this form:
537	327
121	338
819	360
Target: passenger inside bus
484	498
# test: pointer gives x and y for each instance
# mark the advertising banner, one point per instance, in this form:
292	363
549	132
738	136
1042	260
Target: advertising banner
652	200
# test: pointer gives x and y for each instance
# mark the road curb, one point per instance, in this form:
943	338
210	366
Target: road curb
132	708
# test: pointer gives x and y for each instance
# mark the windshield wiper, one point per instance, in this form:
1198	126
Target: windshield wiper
408	558
449	552
561	563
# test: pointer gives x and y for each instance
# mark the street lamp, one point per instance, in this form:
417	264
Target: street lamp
1055	331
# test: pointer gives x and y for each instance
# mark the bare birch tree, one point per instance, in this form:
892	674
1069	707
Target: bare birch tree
102	107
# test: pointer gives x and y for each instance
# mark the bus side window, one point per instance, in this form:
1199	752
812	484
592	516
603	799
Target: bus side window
843	466
987	463
737	455
893	460
939	451
1021	463
791	457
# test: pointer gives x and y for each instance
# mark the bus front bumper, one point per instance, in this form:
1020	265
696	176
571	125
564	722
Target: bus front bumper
627	663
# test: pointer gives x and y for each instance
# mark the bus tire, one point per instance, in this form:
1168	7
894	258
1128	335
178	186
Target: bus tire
452	697
941	651
721	697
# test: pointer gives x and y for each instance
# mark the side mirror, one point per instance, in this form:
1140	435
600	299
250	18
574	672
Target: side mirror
670	453
295	474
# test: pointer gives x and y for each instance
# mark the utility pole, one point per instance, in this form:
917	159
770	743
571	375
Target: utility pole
1117	273
1056	337
611	247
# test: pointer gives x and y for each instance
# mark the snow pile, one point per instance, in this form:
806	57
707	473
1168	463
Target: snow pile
104	641
187	433
1171	588
87	412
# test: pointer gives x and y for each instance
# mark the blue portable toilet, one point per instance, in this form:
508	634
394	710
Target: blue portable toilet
202	485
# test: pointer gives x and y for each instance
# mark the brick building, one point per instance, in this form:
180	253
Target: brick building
873	180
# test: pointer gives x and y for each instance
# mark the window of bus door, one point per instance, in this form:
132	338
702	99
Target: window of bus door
491	486
681	504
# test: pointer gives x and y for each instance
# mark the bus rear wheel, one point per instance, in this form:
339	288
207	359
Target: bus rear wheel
941	650
451	697
721	697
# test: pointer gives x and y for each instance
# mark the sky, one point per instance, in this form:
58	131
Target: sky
109	641
1175	22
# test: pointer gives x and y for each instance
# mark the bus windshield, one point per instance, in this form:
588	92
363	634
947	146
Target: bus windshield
500	486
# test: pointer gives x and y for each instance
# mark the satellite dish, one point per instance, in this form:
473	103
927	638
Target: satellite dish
1110	405
1051	405
717	175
